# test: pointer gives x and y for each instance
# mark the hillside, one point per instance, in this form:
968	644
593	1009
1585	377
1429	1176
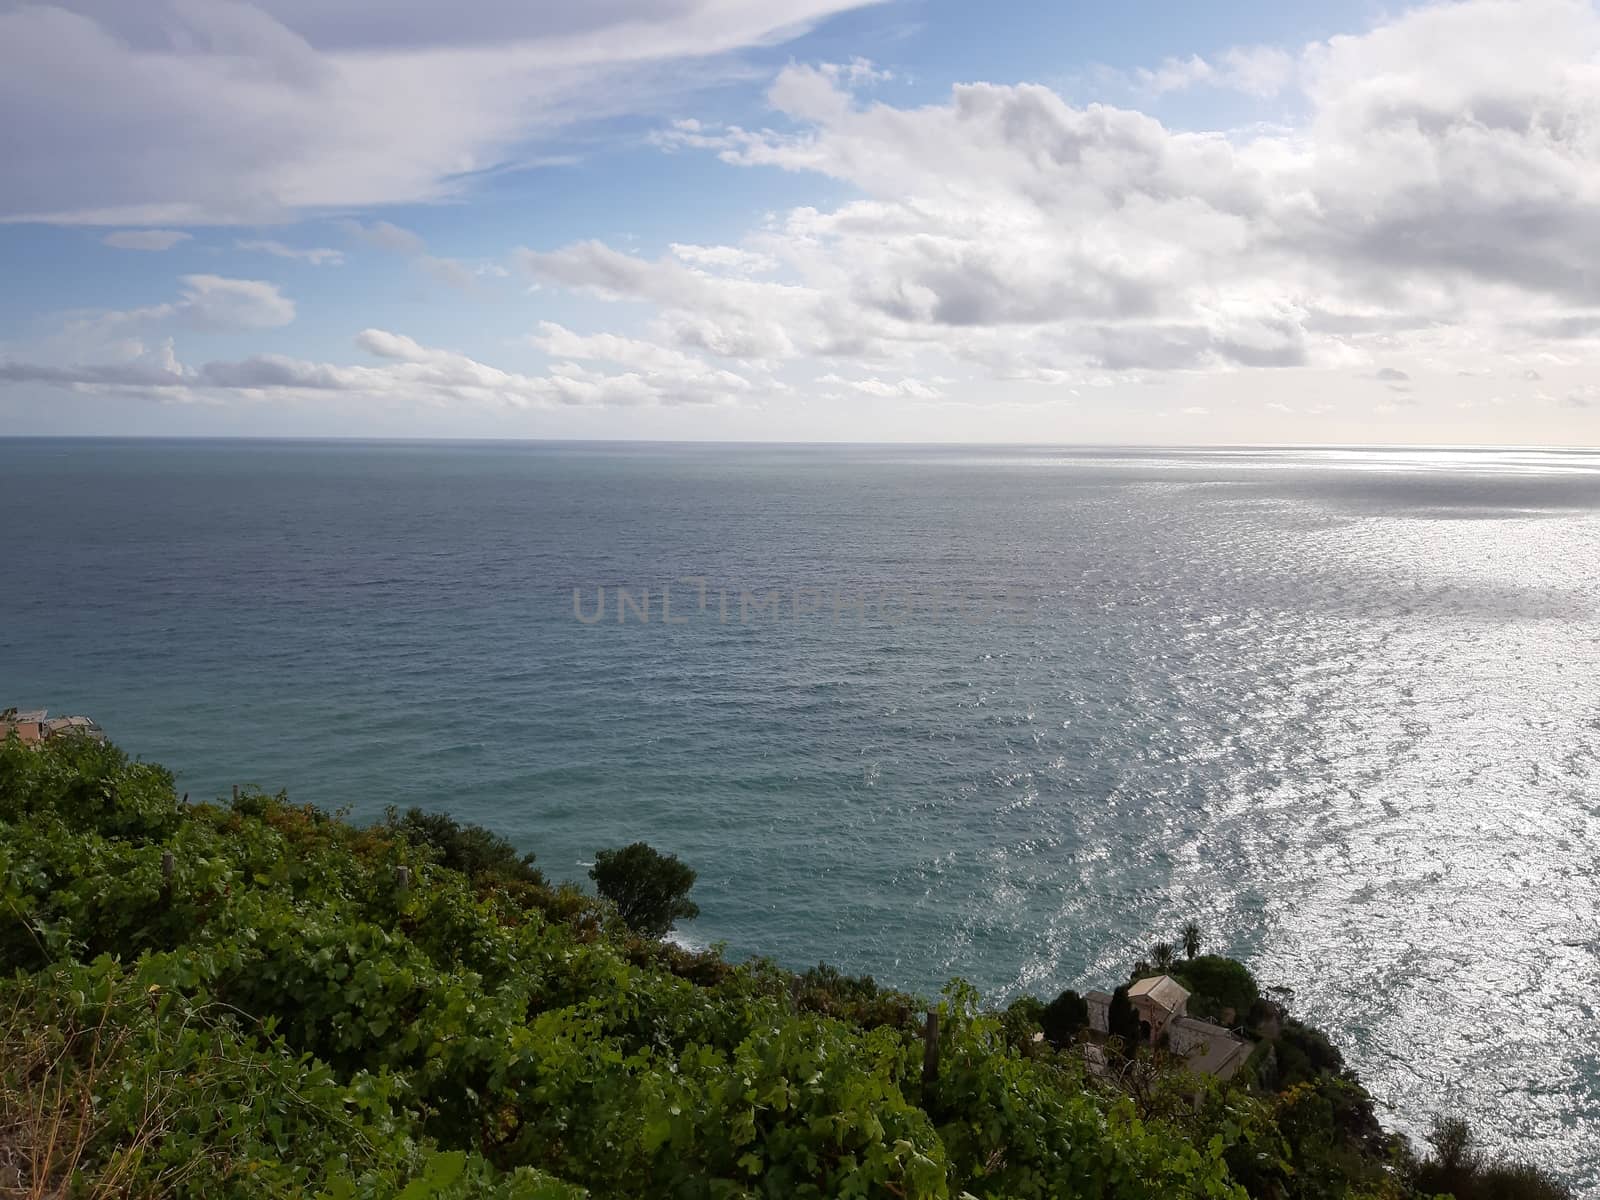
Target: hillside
259	999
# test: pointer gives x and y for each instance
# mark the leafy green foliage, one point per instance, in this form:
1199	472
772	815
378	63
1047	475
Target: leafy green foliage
1458	1167
1063	1018
855	998
1189	936
256	1001
478	853
650	889
1217	985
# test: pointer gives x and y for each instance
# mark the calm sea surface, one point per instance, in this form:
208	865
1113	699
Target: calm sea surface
1011	715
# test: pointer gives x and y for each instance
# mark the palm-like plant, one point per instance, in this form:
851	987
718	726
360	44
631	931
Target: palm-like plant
1162	955
1191	938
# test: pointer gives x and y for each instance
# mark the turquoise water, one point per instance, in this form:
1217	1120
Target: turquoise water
1012	715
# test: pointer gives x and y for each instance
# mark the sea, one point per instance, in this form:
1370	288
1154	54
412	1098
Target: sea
1008	714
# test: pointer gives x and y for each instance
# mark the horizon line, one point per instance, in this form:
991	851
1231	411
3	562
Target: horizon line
368	439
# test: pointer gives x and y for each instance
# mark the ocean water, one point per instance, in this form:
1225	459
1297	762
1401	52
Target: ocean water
1008	714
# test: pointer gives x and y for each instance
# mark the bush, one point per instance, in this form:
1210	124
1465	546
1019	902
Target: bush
1063	1017
856	998
478	853
1458	1167
650	889
1217	984
1023	1018
203	1001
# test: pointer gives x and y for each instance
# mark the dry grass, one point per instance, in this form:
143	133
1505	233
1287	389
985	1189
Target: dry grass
53	1141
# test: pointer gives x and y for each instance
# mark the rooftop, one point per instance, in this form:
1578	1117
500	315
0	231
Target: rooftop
1163	990
35	724
1208	1049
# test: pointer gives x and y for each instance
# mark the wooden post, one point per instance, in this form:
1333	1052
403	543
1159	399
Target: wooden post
166	876
236	794
402	878
930	1051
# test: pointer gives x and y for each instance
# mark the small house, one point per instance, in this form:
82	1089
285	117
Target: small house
1158	999
34	725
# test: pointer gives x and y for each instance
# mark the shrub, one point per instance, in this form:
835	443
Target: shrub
1063	1017
650	889
1217	984
478	853
1458	1167
247	1002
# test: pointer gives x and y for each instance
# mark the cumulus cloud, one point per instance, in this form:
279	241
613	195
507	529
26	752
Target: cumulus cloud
213	303
145	239
218	111
410	373
883	389
1432	203
1441	188
728	258
1260	71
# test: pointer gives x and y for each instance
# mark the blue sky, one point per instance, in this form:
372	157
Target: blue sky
812	220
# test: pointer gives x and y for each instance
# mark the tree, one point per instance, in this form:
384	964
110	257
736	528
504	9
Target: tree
1217	984
1162	956
1122	1020
1063	1017
1190	935
650	889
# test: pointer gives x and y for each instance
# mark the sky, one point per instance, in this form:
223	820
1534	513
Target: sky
1155	222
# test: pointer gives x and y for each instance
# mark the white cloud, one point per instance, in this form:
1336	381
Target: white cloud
205	302
145	239
222	111
1260	71
899	389
410	374
1437	201
214	302
726	258
317	256
1429	211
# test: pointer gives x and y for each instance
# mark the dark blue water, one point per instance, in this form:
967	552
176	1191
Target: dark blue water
1007	714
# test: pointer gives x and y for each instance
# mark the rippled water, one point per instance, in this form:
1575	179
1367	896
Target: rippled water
1342	707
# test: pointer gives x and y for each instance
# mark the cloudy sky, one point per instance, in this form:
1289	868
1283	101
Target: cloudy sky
919	220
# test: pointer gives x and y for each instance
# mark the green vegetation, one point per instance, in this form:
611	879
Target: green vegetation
650	889
479	854
260	1000
1189	935
1457	1167
1064	1018
1218	987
